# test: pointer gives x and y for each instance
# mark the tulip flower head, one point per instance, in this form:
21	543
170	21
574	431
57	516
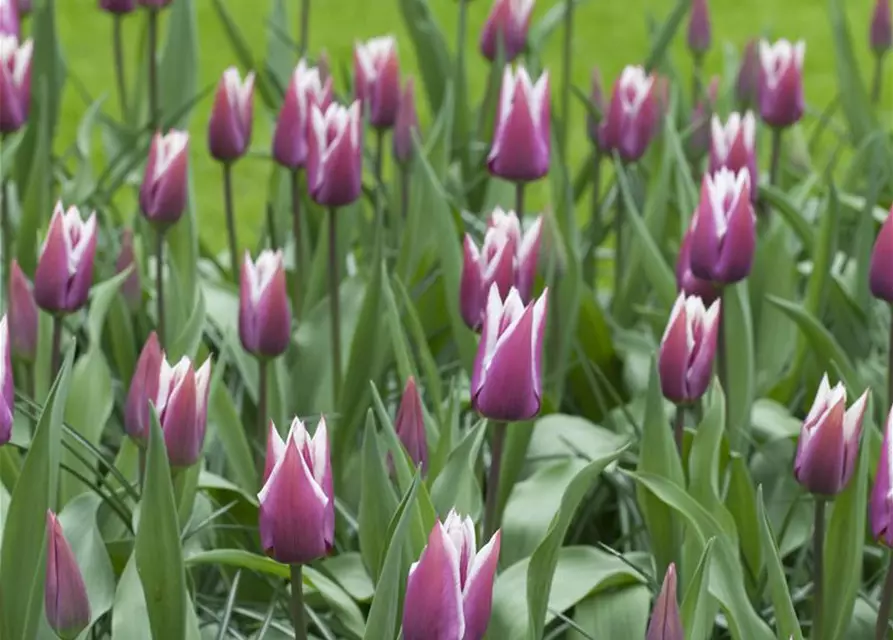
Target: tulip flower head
881	505
506	26
507	381
23	315
406	126
449	591
6	389
686	281
376	70
131	289
15	82
666	623
687	349
881	34
595	123
297	501
335	154
699	31
880	271
264	310
829	440
781	82
9	18
229	130
65	267
119	7
634	114
747	84
164	187
410	425
733	146
521	139
65	594
306	88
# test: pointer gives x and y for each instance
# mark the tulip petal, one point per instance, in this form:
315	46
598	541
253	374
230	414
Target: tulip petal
673	358
881	505
179	422
477	595
65	594
820	461
432	609
666	623
471	287
143	389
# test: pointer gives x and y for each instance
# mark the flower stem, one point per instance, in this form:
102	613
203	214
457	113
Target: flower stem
56	349
461	30
334	305
379	180
595	223
696	79
230	219
262	370
159	283
141	468
883	614
305	28
775	163
491	517
118	48
519	200
296	231
618	244
272	235
567	59
818	568
153	69
679	428
297	601
877	81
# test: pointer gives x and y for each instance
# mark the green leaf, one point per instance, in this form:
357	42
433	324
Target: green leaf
36	205
224	420
698	607
738	331
665	36
786	616
431	51
377	501
621	613
130	618
741	503
178	66
852	92
456	487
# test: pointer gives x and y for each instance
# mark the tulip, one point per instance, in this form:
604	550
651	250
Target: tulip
15	82
733	146
406	126
880	271
376	75
666	623
163	192
229	130
23	315
699	140
829	440
144	387
449	591
724	233
521	142
410	425
65	267
686	281
9	18
65	594
6	388
881	36
506	26
297	502
264	311
119	7
507	381
131	289
747	84
335	154
634	114
595	123
781	82
687	349
699	35
881	506
305	89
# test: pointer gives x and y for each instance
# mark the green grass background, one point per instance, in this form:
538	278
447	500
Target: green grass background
608	33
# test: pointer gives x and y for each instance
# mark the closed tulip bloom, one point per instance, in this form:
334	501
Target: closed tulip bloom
376	75
521	138
264	310
23	315
9	18
507	25
15	82
407	124
117	6
131	289
687	349
65	594
781	82
724	235
143	390
881	35
297	502
634	114
699	140
666	623
6	389
733	146
65	267
305	89
335	154
699	31
747	84
829	440
410	425
229	130
881	506
449	591
880	271
686	281
164	187
595	124
507	381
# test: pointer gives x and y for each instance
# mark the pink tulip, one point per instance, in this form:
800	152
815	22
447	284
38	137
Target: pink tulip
335	154
15	82
7	396
880	271
10	24
686	281
165	183
264	310
229	130
406	126
65	594
687	349
747	84
376	72
305	89
634	115
881	505
881	34
666	623
733	146
119	7
521	140
23	314
65	267
507	25
699	32
781	82
410	425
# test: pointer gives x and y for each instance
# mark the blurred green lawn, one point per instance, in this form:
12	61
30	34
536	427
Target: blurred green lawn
608	33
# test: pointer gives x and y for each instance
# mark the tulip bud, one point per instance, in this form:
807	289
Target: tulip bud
449	591
880	271
15	82
686	281
65	594
881	506
747	84
143	390
335	154
687	349
407	124
119	7
881	36
829	440
7	396
376	76
506	26
65	267
163	192
131	289
595	126
9	19
306	88
410	425
634	114
297	502
23	316
781	82
521	142
229	130
699	140
724	233
733	146
507	381
666	623
699	35
264	311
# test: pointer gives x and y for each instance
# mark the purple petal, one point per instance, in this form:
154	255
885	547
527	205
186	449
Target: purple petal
880	272
477	596
51	277
666	623
65	594
432	609
179	423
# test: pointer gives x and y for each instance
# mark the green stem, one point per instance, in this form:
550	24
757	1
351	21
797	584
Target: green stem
595	223
379	178
519	200
272	235
679	428
305	28
118	48
877	81
153	69
567	59
775	161
230	219
618	244
297	603
56	349
296	231
141	468
262	371
334	306
491	517
461	31
883	613
818	569
159	283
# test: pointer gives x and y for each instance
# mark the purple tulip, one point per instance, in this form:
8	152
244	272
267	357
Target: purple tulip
376	76
634	115
699	140
410	425
65	594
507	25
449	591
781	82
881	506
335	154
724	233
131	289
595	125
65	267
10	24
699	32
297	501
275	450
23	314
747	84
264	310
666	623
7	395
305	89
880	272
406	126
521	142
733	146
687	349
229	130
165	183
829	440
15	82
119	7
881	35
143	390
507	380
686	281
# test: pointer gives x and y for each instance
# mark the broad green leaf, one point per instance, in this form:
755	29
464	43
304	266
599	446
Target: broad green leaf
456	487
36	205
130	617
698	607
741	503
377	501
619	613
224	420
431	51
853	94
786	616
348	570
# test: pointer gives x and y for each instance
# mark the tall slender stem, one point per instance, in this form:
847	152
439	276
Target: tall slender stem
141	468
722	355
296	232
262	370
877	82
679	427
818	569
334	305
118	47
697	78
56	349
272	234
883	613
404	193
566	63
519	200
491	523
153	69
230	218
305	28
159	283
775	161
618	244
595	223
297	602
379	177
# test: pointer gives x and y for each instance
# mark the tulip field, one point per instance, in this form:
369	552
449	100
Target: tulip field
386	342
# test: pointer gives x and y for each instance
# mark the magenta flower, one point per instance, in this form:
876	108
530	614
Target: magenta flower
165	182
264	311
305	89
15	82
23	314
634	115
65	594
881	506
229	130
687	349
733	146
410	425
699	32
65	267
880	271
376	73
686	281
521	143
666	623
507	24
407	124
747	84
131	289
10	24
881	34
335	157
781	82
7	396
